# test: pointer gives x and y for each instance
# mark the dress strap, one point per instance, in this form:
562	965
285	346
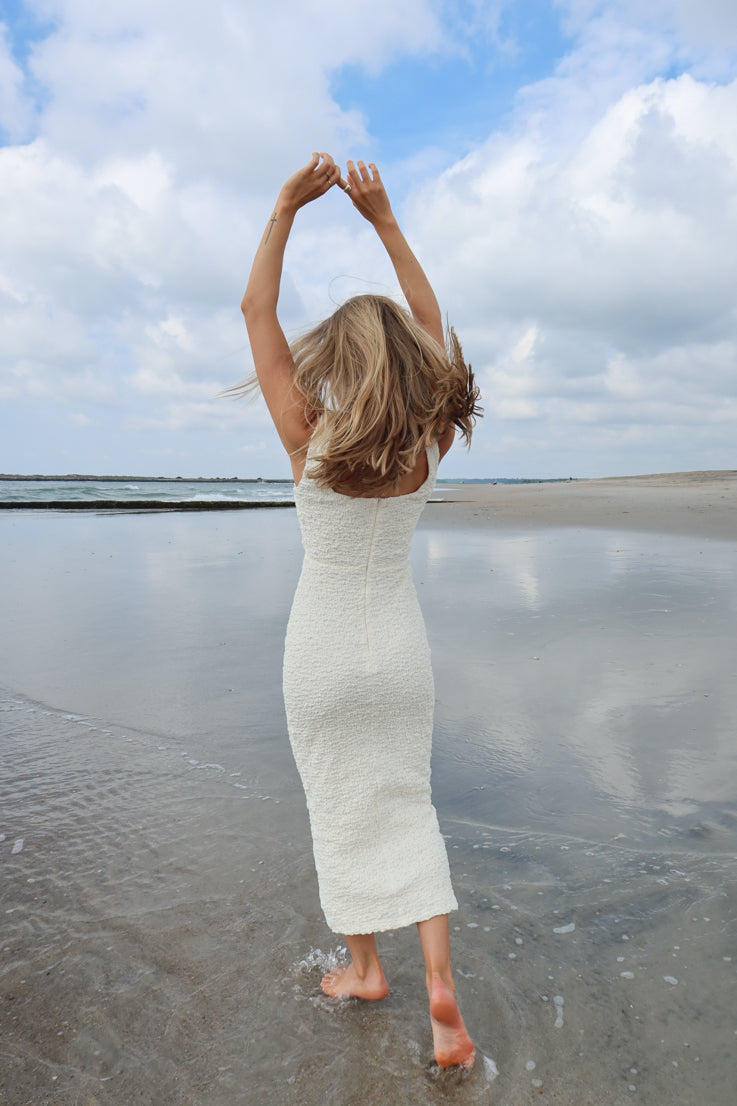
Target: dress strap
310	462
433	459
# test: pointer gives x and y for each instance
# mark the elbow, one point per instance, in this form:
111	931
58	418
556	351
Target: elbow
251	301
432	323
254	306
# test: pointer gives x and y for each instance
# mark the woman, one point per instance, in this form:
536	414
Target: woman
365	404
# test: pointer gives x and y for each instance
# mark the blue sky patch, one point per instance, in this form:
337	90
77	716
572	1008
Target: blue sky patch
456	99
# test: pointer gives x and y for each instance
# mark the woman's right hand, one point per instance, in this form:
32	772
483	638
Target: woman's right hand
308	183
367	192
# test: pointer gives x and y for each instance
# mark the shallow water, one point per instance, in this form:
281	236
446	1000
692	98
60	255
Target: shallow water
161	936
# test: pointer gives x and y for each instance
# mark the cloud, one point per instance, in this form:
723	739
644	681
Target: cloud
581	249
222	91
149	140
710	23
593	276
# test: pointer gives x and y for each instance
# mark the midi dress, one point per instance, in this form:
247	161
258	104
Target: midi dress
359	699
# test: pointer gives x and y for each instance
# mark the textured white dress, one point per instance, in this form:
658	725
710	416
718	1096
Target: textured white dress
359	697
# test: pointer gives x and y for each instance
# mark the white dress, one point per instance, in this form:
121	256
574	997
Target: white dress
359	697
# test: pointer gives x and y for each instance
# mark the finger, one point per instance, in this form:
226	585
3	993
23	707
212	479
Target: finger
345	186
364	171
325	163
374	171
333	173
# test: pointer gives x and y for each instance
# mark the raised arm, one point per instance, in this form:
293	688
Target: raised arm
366	189
271	357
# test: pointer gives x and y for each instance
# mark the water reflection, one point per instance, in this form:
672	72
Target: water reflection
585	778
160	621
585	678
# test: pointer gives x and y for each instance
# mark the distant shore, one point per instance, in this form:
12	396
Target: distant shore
694	477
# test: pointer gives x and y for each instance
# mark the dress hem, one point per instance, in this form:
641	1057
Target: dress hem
381	925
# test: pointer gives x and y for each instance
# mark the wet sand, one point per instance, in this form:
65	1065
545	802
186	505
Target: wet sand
162	938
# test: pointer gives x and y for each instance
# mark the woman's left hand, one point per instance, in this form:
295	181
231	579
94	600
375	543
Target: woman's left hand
310	182
366	189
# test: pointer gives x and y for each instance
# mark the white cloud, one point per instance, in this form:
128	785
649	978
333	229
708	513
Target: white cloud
222	91
582	251
594	275
710	22
162	131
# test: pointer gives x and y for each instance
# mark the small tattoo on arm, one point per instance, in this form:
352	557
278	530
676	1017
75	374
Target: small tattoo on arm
272	220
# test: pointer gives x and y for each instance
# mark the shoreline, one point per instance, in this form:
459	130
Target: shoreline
142	505
697	504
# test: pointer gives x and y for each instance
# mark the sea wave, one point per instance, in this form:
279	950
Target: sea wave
43	492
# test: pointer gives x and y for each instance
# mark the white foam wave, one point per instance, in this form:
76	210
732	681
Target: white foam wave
323	961
216	497
490	1069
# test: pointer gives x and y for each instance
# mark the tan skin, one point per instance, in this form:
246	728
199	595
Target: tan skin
363	977
272	359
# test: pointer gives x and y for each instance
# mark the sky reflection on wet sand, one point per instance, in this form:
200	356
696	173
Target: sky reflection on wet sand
162	936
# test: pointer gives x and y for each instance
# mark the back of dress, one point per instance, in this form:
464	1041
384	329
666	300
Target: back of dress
359	697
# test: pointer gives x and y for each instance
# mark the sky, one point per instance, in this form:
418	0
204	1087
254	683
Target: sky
566	171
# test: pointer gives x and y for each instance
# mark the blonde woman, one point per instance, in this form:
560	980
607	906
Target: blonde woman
365	404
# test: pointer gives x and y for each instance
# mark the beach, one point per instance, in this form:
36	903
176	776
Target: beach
162	936
699	504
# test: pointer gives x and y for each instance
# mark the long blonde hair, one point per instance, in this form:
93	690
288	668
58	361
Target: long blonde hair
378	391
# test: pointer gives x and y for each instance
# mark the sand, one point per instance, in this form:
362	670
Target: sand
689	503
162	938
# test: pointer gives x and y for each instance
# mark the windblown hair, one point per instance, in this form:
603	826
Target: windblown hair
378	391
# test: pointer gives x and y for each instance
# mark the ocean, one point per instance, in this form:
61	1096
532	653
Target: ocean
133	491
145	491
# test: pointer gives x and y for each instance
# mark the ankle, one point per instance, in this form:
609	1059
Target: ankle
365	969
443	977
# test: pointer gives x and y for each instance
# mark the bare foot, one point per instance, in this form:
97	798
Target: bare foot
346	983
453	1046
